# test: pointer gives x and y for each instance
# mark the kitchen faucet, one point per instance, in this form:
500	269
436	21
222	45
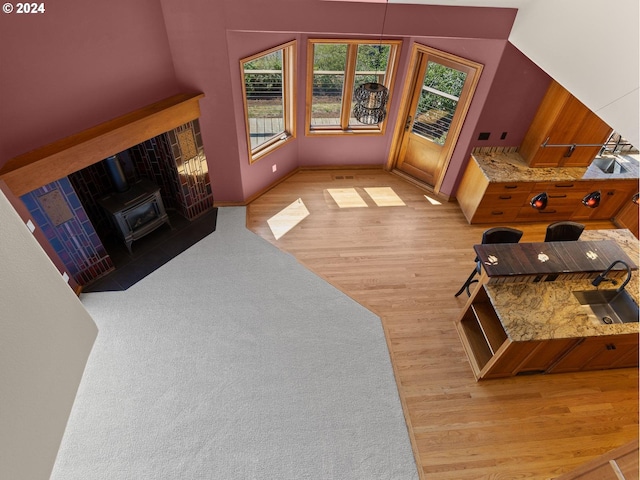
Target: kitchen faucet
603	275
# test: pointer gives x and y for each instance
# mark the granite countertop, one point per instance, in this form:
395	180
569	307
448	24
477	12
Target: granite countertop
510	167
548	310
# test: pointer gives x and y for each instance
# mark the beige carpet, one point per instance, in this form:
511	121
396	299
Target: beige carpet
233	361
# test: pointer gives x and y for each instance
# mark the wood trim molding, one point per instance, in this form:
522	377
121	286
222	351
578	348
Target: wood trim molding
44	165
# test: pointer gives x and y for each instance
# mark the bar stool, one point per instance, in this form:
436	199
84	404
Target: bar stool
493	235
565	231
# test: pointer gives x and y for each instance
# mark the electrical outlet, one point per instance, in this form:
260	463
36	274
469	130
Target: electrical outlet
274	168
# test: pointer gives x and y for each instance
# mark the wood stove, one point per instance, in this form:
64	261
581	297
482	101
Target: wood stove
136	211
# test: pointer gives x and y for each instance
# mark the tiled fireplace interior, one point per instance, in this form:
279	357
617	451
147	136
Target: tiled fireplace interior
82	232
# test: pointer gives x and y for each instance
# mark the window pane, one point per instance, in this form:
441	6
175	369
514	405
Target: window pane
438	101
263	79
371	66
329	61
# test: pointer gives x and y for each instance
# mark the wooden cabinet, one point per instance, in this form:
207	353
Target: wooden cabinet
562	119
618	464
483	201
598	353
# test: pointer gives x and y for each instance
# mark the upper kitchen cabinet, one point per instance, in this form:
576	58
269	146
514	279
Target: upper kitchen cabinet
561	130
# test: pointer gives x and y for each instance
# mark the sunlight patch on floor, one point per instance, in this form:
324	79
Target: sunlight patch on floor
384	196
287	218
432	201
346	197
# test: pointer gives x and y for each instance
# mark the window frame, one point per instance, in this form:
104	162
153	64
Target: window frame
289	74
349	86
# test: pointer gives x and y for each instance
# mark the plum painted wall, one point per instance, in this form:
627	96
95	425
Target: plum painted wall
80	64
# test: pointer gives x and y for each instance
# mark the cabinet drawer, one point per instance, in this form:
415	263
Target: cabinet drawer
504	199
496	214
563	201
560	188
508	187
528	214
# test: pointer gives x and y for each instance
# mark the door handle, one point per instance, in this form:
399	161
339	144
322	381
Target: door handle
407	124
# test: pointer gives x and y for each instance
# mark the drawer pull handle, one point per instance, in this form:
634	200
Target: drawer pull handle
505	197
510	187
547	211
568	185
558	196
497	212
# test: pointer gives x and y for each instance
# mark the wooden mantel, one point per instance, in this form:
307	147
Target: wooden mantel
44	165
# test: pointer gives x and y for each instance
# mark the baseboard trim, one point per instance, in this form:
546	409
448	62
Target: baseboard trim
422	186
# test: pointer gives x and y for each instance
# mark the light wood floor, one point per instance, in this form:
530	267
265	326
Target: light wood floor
404	263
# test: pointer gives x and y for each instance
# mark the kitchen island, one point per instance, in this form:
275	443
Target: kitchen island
539	327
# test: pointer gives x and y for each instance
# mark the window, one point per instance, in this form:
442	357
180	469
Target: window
268	88
335	69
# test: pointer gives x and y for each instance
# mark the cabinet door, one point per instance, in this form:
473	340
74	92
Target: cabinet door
599	353
506	361
613	195
562	119
575	358
590	130
546	354
612	352
628	216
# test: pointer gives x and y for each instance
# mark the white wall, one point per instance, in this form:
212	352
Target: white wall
46	336
590	47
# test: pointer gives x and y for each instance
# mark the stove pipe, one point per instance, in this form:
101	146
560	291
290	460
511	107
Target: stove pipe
116	173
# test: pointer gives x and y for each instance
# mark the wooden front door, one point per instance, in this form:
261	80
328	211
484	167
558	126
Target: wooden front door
437	97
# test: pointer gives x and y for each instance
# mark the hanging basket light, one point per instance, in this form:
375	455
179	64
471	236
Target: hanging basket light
371	99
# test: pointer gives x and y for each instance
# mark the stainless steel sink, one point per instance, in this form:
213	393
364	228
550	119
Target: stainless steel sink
609	165
608	306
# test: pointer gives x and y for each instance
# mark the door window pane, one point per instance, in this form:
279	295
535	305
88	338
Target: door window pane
439	97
